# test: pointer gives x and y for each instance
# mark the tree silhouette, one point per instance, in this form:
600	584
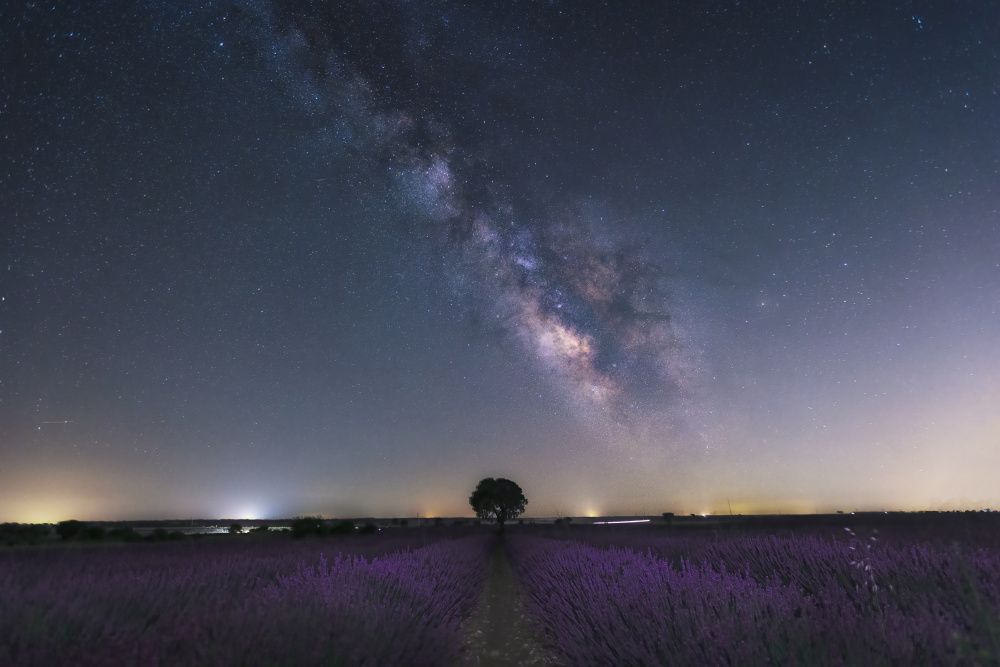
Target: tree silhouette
499	499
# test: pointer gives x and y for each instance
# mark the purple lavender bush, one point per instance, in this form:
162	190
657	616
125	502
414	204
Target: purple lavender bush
226	604
760	601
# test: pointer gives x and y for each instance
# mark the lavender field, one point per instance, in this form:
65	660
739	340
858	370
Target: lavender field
596	597
239	602
762	600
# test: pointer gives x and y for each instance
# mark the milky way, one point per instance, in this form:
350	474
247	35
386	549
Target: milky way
589	308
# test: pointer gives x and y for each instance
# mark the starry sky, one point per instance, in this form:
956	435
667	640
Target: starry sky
266	259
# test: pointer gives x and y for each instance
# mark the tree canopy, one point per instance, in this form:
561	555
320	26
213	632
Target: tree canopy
499	499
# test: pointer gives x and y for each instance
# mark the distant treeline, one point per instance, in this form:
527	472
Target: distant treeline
934	525
317	526
12	534
15	534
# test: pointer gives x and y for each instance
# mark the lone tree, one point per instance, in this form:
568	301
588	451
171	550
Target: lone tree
499	499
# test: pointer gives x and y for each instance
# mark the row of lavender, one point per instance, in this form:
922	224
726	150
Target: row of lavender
763	600
261	604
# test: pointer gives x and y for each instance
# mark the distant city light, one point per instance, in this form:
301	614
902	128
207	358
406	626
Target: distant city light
630	521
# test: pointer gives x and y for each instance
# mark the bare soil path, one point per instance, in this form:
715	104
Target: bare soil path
502	630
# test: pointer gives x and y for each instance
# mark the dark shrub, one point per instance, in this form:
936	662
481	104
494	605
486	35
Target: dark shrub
160	534
368	529
345	527
71	529
307	525
125	533
235	529
176	535
96	532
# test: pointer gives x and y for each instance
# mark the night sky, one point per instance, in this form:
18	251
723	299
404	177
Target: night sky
347	258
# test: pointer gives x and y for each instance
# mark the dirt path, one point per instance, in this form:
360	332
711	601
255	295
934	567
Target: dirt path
501	630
